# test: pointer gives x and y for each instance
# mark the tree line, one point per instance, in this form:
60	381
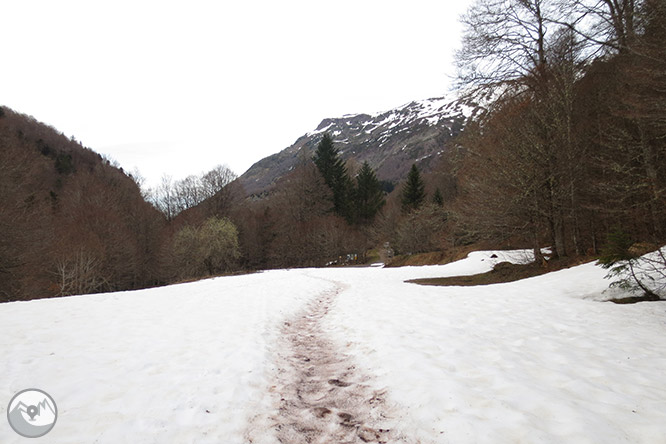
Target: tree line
173	197
567	149
571	144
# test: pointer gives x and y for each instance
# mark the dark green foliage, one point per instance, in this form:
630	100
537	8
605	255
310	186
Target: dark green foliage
437	198
44	148
413	192
332	168
327	159
616	249
387	186
64	164
631	269
368	195
617	258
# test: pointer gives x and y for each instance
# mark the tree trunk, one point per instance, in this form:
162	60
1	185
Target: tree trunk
648	158
536	248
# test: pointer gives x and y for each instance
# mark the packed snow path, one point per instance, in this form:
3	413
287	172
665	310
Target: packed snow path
322	396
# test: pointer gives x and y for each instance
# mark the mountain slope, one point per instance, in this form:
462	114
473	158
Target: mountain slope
389	141
71	222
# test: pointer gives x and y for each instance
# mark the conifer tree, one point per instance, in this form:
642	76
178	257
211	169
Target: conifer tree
368	196
437	198
332	168
413	192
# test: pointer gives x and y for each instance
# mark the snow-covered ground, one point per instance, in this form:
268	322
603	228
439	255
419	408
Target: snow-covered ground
541	360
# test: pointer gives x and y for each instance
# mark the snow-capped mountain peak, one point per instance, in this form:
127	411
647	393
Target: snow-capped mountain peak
390	141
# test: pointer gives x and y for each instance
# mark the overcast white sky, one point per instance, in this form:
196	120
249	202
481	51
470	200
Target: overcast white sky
179	87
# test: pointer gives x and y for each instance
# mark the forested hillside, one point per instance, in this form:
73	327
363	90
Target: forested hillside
572	146
71	222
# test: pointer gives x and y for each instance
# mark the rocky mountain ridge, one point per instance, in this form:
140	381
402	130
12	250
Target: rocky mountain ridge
390	141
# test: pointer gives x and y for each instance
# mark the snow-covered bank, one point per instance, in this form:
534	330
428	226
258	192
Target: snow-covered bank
537	360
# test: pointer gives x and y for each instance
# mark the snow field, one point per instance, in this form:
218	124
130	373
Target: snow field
147	366
531	361
535	361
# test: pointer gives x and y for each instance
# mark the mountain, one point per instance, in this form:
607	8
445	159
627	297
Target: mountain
390	141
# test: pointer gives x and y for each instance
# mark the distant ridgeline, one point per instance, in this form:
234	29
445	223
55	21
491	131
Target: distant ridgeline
390	142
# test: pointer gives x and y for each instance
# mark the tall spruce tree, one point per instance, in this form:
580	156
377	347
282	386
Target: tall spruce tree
413	192
332	168
368	195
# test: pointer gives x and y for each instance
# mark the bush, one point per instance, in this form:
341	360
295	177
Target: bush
420	230
634	267
207	250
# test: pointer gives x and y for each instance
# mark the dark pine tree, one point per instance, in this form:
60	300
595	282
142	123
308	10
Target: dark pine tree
437	198
413	192
368	195
332	168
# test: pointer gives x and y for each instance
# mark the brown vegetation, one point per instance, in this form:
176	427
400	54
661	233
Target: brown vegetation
567	144
71	222
574	144
503	272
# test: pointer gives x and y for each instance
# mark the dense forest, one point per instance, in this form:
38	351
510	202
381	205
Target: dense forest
566	149
71	222
572	144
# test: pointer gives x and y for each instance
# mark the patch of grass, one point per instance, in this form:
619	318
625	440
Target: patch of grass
418	259
372	256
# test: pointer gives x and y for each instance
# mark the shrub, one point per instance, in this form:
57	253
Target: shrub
632	266
207	250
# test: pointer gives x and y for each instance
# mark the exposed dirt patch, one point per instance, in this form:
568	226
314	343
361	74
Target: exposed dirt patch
502	272
636	299
321	397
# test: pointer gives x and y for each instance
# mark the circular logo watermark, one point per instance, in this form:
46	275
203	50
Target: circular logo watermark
32	413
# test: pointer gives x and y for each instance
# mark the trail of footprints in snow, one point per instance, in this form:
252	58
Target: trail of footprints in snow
323	397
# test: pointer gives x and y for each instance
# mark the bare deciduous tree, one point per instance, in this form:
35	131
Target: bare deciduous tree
79	273
172	197
505	43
